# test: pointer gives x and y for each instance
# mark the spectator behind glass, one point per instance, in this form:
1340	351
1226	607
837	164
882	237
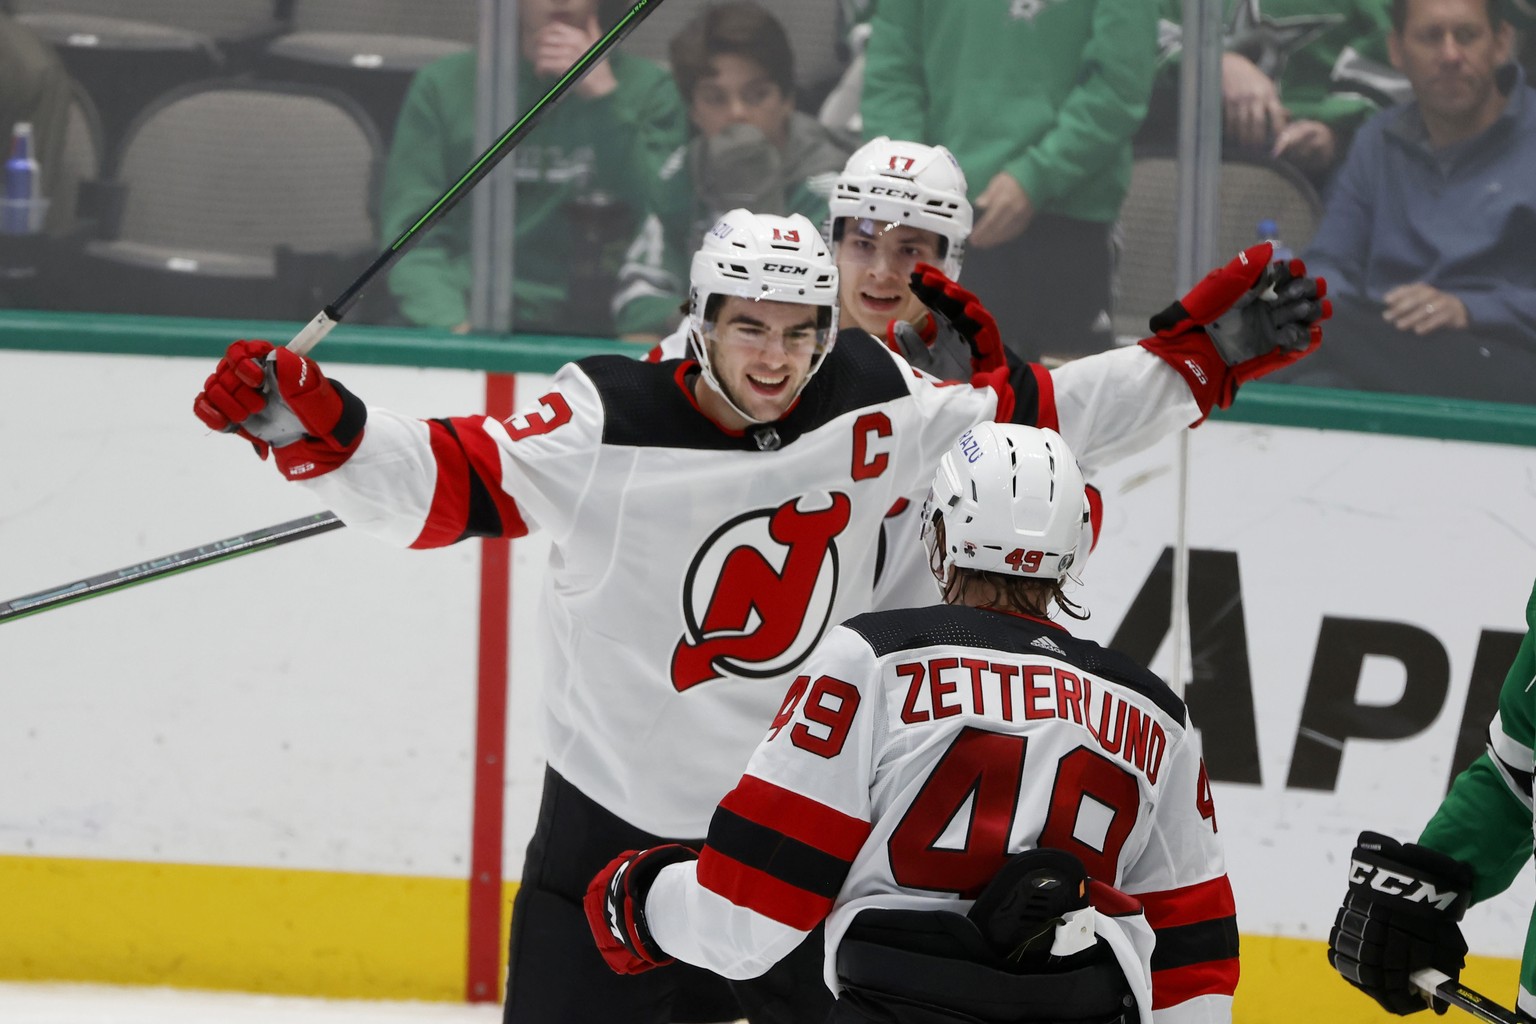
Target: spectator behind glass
34	87
751	149
581	175
1297	77
1426	240
1038	102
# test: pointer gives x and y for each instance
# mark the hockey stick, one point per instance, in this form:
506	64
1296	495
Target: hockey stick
1440	986
314	331
193	558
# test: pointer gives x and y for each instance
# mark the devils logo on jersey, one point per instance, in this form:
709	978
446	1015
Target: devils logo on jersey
759	593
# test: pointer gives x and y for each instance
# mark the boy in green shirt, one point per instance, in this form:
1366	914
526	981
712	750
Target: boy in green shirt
752	149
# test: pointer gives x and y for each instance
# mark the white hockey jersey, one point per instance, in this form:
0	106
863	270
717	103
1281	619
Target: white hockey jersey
1105	406
915	752
692	569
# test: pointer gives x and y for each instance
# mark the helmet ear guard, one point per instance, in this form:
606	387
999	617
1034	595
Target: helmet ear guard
906	183
1010	500
763	258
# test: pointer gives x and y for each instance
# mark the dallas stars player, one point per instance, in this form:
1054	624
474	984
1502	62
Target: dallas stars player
1404	902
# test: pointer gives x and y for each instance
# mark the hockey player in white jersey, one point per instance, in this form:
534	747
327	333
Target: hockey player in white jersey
709	521
995	818
899	219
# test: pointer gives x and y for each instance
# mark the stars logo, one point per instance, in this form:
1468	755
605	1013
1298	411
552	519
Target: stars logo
1269	42
1025	10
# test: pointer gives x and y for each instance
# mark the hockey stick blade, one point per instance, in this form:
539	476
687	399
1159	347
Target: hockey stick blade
314	331
1443	987
181	561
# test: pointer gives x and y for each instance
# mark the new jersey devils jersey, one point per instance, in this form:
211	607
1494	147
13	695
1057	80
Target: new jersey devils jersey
692	569
1106	407
915	752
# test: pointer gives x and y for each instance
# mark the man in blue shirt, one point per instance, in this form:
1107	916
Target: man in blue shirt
1429	238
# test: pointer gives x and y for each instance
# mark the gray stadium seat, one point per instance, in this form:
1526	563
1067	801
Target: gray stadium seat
127	52
376	34
1251	191
83	155
224	187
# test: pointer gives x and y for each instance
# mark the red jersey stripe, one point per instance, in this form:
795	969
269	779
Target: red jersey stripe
797	817
1203	901
472	451
1095	514
450	499
1179	984
1048	417
760	892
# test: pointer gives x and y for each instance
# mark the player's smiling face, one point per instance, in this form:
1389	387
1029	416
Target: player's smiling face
875	261
761	353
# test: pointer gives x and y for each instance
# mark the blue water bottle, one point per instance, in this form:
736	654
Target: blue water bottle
1269	232
18	214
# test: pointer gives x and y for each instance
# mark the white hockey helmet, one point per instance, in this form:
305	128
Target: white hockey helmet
906	183
765	258
1012	501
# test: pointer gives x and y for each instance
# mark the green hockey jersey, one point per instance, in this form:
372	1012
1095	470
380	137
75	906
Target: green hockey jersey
1486	818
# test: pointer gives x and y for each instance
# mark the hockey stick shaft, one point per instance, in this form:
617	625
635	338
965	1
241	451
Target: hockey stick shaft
181	561
313	333
1443	987
316	330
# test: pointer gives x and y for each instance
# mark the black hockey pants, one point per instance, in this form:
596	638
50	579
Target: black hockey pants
555	974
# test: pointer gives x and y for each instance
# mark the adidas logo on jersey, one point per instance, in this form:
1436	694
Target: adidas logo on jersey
1045	643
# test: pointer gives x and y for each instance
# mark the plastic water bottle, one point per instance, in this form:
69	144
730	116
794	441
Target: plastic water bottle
19	214
1269	232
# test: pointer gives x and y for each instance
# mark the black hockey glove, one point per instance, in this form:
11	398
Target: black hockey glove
1276	315
1400	915
959	338
615	907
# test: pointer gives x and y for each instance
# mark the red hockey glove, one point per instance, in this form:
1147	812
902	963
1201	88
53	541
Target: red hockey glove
311	427
1400	915
615	906
1244	320
959	338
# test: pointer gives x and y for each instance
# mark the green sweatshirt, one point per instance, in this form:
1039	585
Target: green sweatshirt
1050	91
1328	56
582	181
692	190
1486	818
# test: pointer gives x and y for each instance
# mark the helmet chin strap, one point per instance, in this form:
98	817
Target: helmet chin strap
707	371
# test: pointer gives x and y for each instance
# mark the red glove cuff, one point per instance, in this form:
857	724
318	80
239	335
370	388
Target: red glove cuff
1216	292
1193	356
306	459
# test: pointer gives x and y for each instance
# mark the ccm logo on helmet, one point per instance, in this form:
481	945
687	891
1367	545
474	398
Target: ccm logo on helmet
1405	887
882	190
785	268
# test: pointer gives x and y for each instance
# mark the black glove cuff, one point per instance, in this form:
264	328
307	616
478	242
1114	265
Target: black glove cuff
637	885
354	416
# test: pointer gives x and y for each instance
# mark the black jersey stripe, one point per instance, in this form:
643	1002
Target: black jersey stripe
1202	942
644	407
772	852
